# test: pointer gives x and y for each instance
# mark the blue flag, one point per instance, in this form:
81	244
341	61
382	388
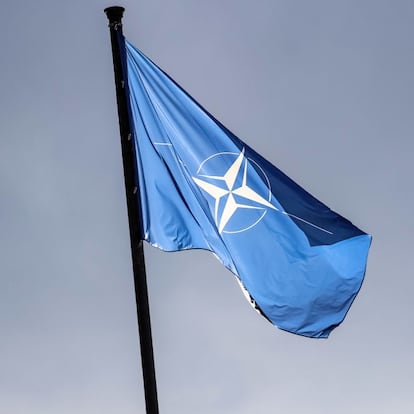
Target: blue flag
300	264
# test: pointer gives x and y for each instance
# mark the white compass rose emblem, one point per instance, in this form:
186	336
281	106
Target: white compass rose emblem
231	193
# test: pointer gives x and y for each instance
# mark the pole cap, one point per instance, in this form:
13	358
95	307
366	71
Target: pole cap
114	14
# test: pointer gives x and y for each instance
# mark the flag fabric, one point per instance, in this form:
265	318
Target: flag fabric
200	187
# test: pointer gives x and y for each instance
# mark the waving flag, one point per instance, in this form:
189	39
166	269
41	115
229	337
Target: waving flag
300	263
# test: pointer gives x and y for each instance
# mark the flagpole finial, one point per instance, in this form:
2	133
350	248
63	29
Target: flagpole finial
114	14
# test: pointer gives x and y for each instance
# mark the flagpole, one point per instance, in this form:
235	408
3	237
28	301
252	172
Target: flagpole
114	15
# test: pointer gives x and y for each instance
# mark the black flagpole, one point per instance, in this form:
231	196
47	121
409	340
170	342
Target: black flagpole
114	15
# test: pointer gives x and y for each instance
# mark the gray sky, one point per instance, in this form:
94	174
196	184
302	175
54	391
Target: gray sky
323	89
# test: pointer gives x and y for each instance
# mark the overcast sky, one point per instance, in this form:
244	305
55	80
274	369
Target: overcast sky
323	89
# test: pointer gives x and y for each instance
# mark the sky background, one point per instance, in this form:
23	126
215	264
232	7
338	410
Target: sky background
323	89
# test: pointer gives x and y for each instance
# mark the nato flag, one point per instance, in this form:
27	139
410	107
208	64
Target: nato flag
300	263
